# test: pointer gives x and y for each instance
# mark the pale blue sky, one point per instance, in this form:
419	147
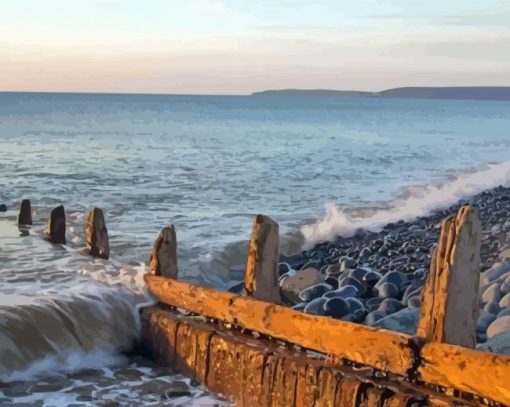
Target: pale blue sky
230	47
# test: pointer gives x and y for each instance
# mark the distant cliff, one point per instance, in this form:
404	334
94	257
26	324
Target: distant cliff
461	92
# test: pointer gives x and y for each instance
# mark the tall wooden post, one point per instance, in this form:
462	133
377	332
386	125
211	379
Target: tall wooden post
56	229
261	275
164	255
96	234
25	213
449	306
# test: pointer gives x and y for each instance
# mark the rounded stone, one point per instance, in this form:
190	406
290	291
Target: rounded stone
283	268
315	291
386	290
354	304
373	303
292	284
414	302
394	277
332	281
336	307
491	294
492	308
371	278
390	305
342	282
316	307
300	307
347	263
499	326
373	317
505	301
345	292
484	321
359	273
504	312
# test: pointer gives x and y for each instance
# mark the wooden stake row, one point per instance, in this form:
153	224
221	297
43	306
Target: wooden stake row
448	314
96	234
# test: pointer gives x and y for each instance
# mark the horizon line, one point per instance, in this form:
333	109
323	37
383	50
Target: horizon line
245	94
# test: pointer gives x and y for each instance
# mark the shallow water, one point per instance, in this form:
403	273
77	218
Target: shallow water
208	165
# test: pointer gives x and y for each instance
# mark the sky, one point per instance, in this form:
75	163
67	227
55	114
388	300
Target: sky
238	46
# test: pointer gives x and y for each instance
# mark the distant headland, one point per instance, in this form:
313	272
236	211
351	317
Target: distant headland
460	92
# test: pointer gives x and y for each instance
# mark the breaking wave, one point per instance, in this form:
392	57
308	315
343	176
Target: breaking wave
417	201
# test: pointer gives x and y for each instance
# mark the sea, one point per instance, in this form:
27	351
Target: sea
321	166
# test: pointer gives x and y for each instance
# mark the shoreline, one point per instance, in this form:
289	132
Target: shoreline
378	276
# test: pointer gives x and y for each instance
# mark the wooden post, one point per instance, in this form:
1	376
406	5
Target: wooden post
449	306
56	229
96	234
25	213
261	275
164	255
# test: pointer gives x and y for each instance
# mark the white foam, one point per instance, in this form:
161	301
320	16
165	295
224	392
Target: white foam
420	202
70	360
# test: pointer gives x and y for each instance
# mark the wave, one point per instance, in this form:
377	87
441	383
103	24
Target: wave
92	325
418	201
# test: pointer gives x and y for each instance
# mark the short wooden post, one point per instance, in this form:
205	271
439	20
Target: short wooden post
261	274
449	306
96	234
164	255
56	229
25	213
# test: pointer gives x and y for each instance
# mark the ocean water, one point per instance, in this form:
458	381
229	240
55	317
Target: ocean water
320	166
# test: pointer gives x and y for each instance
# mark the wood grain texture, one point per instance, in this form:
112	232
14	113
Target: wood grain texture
164	254
96	234
378	348
449	306
261	273
481	373
254	372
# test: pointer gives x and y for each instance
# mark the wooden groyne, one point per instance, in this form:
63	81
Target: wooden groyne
259	353
255	352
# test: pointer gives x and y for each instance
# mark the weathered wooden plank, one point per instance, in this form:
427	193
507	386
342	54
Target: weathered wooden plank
349	392
402	400
378	348
56	229
481	373
164	254
268	379
327	388
261	274
25	213
253	369
449	306
96	234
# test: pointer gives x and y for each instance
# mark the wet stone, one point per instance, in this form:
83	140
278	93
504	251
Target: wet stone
342	282
343	292
373	317
373	303
336	307
414	302
177	389
314	292
390	305
128	374
17	389
299	307
316	307
386	290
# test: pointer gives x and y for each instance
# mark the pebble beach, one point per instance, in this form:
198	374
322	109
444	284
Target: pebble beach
376	277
